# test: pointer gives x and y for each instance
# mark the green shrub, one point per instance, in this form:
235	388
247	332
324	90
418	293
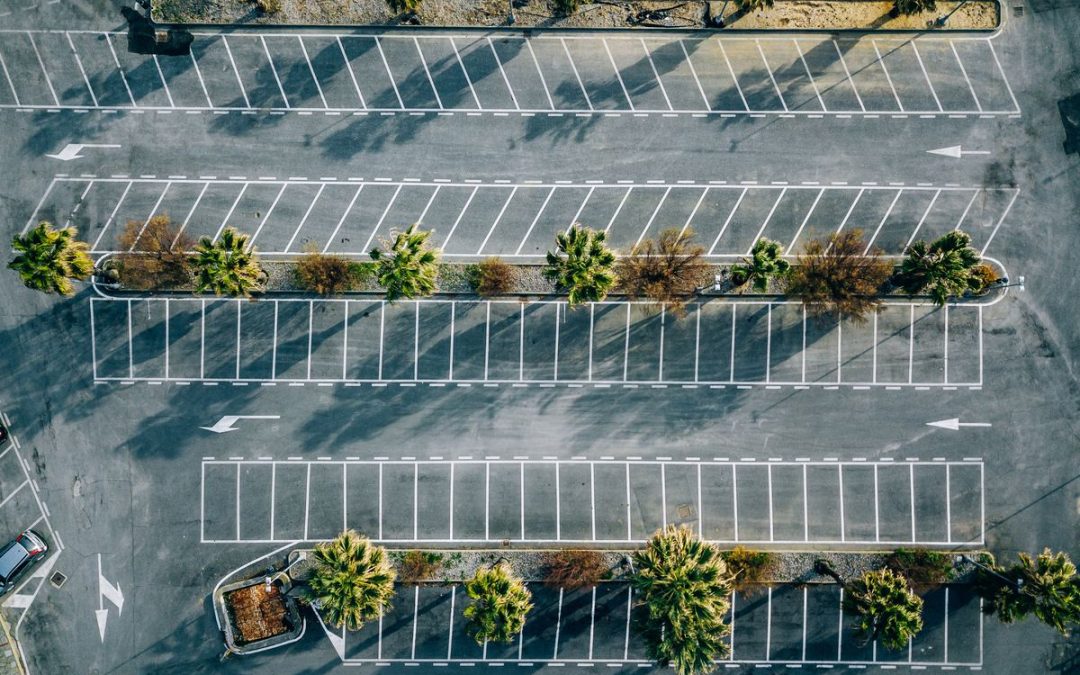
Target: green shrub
922	567
418	566
748	567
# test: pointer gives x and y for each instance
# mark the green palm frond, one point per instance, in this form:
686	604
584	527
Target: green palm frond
47	259
884	607
409	266
352	581
1048	588
942	269
500	602
684	586
582	265
765	262
228	266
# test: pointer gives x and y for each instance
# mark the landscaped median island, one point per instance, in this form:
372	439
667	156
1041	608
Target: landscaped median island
903	15
842	273
680	588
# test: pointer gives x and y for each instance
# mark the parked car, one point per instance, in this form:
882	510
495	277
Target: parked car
18	556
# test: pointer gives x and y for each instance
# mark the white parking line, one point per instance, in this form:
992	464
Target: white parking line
427	72
273	69
577	74
44	70
389	73
78	61
735	79
311	69
926	75
656	74
772	78
236	71
352	73
7	76
337	228
888	78
506	80
164	83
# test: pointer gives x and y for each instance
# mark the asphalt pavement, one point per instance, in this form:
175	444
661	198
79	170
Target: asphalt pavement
456	422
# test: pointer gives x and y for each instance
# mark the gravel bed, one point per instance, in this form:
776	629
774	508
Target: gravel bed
788	566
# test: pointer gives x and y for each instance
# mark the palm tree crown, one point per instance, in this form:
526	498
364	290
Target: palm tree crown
909	7
352	581
227	266
942	269
48	259
409	267
765	262
1050	590
500	602
583	265
684	585
884	607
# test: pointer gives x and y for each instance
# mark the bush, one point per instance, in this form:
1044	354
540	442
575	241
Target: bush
491	277
417	566
566	7
404	6
268	7
909	7
668	270
921	566
328	274
574	569
839	276
748	566
156	255
982	277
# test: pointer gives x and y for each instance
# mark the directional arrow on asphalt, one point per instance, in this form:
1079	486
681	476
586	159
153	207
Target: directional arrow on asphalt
107	591
954	424
226	423
956	152
71	150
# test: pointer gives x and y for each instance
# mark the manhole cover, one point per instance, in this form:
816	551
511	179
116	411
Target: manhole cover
57	579
685	511
1018	10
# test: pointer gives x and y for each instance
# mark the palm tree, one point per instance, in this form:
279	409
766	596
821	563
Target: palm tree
942	269
586	272
48	259
1047	587
765	262
684	585
226	266
352	581
409	267
885	608
909	7
500	602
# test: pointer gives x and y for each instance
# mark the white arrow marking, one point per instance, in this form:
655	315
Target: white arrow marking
71	150
102	616
226	423
954	424
956	152
110	592
336	641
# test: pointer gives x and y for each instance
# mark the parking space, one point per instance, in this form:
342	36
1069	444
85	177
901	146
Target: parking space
465	342
782	626
312	71
474	501
519	221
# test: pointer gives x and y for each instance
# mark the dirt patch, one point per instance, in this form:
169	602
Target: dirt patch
794	15
859	14
257	613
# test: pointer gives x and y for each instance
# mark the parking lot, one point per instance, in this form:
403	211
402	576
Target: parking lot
519	221
339	72
21	508
487	501
784	626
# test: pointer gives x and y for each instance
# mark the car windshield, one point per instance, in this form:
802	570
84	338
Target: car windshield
10	561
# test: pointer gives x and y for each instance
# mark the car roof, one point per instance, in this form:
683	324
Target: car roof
10	558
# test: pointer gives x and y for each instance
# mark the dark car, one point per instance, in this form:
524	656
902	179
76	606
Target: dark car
18	556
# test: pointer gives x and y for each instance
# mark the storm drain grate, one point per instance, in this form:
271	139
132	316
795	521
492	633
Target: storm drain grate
57	579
